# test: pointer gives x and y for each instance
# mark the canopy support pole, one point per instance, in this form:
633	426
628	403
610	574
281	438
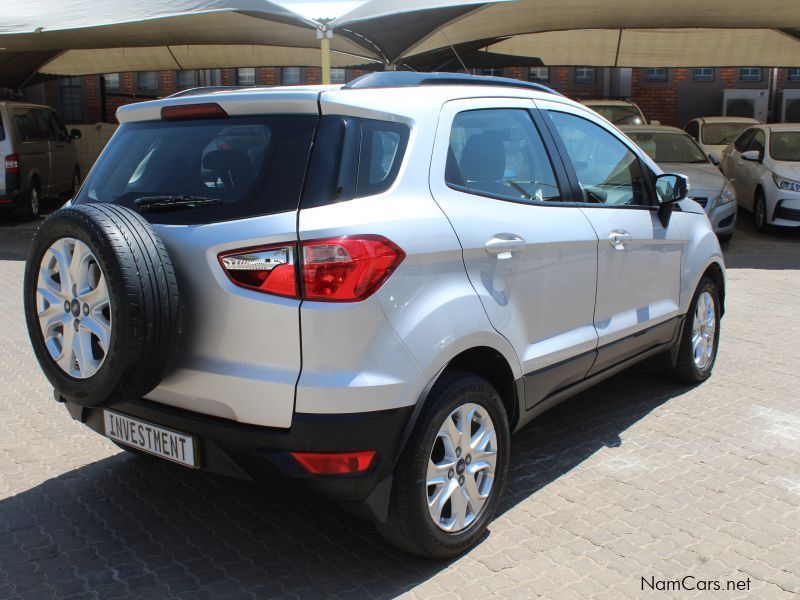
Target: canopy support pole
324	36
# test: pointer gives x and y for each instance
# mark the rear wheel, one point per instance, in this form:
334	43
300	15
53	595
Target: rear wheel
76	183
30	208
760	212
451	474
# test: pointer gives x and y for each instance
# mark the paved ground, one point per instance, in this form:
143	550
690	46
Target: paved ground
638	478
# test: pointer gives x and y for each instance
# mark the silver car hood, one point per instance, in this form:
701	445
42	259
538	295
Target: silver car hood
702	176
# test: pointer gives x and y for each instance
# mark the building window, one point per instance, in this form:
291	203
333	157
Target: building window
703	74
338	75
585	75
539	74
113	82
71	96
656	74
793	74
290	76
246	76
750	74
147	80
187	79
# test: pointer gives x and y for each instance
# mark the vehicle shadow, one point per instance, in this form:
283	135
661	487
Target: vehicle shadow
135	525
776	250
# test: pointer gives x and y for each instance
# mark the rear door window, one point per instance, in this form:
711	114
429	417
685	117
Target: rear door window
32	124
250	165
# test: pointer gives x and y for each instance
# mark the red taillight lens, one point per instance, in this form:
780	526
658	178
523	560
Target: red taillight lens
347	269
12	163
207	110
335	463
342	269
268	269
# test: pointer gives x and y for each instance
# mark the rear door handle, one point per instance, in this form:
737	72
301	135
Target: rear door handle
502	245
619	239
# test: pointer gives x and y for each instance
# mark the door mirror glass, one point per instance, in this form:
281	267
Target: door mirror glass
713	157
671	188
75	134
752	155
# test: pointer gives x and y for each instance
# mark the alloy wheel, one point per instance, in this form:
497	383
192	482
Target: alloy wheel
461	468
74	308
704	328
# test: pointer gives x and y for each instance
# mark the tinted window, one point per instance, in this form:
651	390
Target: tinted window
254	165
744	140
32	124
352	158
693	129
607	170
785	145
722	134
499	153
669	147
759	139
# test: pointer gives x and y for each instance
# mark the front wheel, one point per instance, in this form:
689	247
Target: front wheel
760	213
699	341
451	474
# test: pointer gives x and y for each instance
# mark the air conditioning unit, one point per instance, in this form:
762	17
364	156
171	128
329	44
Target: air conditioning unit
790	111
746	103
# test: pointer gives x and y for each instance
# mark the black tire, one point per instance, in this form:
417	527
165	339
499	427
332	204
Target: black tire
685	369
144	302
409	525
760	213
32	203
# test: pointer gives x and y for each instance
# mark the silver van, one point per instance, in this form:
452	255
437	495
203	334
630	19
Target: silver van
39	158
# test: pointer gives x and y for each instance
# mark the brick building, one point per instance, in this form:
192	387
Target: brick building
672	96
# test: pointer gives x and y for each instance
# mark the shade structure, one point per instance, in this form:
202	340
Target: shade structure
96	36
397	32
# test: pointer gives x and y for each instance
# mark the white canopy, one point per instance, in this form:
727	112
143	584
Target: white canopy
642	32
102	36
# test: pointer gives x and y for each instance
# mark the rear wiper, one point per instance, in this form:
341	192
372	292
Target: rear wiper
165	203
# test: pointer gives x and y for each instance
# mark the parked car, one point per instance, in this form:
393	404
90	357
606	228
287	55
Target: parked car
618	112
372	290
715	133
40	160
763	165
675	151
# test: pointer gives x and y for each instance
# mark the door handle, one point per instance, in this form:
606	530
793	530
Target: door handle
502	245
619	239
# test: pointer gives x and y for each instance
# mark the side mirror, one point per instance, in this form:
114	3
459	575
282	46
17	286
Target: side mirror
752	155
74	134
671	188
654	122
712	156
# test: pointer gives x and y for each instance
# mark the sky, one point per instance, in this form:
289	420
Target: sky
321	9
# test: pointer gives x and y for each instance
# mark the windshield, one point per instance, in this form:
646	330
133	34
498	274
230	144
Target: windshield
669	147
785	145
248	165
619	114
722	134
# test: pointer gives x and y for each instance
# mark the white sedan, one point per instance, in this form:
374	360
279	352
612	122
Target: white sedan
715	133
763	165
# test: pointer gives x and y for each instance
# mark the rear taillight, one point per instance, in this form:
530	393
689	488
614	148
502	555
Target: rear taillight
340	269
12	163
268	269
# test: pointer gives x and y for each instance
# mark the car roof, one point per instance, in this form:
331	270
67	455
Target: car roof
608	102
651	129
13	103
782	127
728	120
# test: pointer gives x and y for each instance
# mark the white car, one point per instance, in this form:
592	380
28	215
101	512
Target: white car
763	165
715	133
618	112
675	151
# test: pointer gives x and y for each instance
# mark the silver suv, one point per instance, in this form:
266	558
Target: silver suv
366	288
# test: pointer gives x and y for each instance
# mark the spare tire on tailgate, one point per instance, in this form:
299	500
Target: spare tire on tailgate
101	304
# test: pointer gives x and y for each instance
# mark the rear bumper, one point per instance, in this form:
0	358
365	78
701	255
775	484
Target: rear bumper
252	452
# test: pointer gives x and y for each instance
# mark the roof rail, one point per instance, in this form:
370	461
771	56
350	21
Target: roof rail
209	89
389	79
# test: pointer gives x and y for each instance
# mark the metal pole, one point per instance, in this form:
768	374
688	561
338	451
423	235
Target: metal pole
324	36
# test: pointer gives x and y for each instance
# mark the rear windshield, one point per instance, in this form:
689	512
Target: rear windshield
722	134
249	165
619	114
